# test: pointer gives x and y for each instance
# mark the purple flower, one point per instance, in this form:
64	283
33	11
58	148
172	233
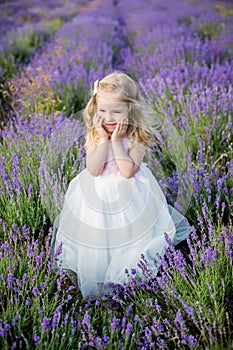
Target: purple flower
97	302
128	330
35	291
123	322
25	277
45	324
148	334
15	320
55	319
36	339
179	317
2	329
58	280
66	318
10	278
192	341
115	324
106	339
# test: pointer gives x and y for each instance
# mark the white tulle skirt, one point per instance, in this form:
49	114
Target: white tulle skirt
107	222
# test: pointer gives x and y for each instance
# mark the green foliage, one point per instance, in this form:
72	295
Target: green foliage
20	50
223	10
22	45
7	64
70	98
53	25
129	38
186	20
210	30
6	13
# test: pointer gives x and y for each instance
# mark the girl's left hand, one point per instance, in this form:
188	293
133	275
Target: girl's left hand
120	129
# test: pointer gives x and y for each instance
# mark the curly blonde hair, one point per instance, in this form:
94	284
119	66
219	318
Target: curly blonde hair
126	89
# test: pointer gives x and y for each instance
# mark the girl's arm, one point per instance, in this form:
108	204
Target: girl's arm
96	158
128	163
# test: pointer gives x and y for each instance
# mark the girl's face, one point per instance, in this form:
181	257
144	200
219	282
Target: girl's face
111	109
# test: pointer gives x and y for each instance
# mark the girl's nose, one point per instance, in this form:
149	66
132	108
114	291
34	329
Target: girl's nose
109	118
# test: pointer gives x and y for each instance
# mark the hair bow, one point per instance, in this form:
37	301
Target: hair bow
96	83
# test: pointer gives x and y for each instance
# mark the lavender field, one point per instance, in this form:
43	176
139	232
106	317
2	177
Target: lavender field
181	53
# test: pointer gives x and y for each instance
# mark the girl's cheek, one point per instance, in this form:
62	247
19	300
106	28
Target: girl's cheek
118	117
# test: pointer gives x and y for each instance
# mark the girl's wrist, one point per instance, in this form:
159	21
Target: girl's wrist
116	139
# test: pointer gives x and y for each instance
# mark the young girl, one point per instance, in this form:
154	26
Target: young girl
114	209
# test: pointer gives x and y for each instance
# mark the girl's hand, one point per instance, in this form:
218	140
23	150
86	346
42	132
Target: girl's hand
121	129
98	124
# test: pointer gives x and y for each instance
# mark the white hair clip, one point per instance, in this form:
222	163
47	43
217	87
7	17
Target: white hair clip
96	83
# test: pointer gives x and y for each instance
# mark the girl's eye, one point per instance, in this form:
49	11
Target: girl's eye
117	112
102	110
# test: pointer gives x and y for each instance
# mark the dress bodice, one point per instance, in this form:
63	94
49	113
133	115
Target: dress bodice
111	164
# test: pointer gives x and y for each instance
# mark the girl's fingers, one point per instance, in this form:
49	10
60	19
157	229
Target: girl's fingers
97	120
124	123
121	128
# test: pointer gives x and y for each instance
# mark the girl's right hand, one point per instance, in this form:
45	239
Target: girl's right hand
98	124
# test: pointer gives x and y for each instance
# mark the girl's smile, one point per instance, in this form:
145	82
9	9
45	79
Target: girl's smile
109	126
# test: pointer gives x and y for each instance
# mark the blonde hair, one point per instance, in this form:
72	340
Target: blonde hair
126	89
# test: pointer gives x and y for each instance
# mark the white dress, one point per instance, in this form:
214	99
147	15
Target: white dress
108	221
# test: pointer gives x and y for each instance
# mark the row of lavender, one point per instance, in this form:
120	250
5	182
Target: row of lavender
25	27
17	15
183	68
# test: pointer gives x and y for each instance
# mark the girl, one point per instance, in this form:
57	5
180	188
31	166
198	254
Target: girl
114	210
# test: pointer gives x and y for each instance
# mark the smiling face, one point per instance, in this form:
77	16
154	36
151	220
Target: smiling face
111	109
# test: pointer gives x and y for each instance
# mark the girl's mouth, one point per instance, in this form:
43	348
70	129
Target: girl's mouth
110	124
